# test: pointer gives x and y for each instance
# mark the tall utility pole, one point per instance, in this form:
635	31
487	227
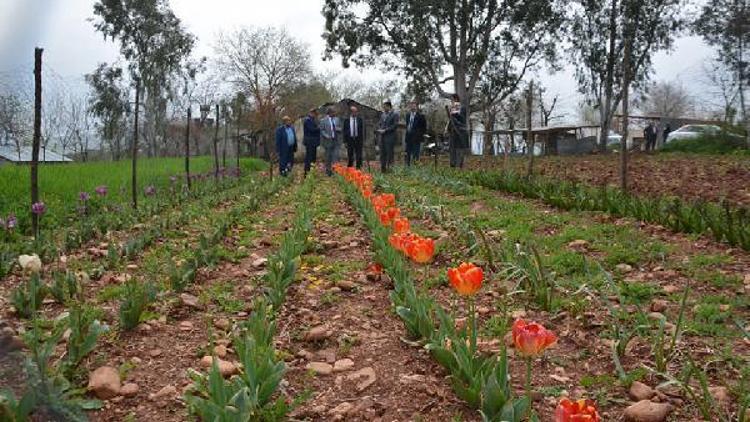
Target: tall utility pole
135	143
239	119
37	137
625	100
226	132
187	145
216	143
529	130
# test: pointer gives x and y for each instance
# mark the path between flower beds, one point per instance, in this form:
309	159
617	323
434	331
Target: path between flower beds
157	356
343	339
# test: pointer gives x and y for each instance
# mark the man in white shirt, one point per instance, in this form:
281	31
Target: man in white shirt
330	126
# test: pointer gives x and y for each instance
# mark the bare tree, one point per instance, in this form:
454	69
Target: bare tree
15	118
546	106
263	63
667	99
723	88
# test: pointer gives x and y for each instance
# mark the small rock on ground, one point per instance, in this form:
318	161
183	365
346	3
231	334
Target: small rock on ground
320	368
640	391
105	382
647	411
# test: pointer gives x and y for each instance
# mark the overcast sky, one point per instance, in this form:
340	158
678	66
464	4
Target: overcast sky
72	48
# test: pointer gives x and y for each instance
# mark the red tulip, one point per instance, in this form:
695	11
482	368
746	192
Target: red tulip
466	279
421	250
400	225
576	411
531	338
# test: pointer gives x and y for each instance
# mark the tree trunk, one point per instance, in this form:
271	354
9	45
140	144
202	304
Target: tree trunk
216	143
135	144
489	145
37	138
625	110
609	80
224	148
239	119
529	130
187	146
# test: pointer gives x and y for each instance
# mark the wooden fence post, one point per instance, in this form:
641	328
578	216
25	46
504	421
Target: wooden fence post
187	145
37	138
135	144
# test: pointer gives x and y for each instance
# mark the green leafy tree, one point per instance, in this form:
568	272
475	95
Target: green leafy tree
725	24
598	43
442	41
155	44
109	103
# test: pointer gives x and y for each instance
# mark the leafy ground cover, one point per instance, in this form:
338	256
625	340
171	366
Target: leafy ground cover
686	176
287	300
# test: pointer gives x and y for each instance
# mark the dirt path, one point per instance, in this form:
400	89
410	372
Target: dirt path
345	342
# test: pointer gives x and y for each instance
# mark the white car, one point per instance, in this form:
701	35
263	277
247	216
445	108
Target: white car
693	132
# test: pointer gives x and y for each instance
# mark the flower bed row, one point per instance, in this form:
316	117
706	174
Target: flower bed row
250	395
96	215
482	381
48	384
722	221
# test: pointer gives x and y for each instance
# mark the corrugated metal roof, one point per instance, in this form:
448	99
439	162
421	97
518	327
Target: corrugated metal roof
10	153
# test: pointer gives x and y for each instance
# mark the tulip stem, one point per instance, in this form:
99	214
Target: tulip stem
528	381
473	325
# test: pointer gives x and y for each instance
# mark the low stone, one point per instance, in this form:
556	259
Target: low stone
318	333
409	379
519	313
220	351
343	365
104	382
320	368
656	316
670	288
346	285
165	392
659	305
131	267
144	328
484	310
647	411
365	377
226	368
578	244
326	355
190	300
720	394
259	262
624	268
342	409
129	390
155	353
186	326
222	323
639	391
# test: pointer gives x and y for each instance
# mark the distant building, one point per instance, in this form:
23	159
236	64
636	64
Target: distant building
10	154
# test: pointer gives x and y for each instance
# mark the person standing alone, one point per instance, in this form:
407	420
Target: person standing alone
354	135
286	145
459	136
416	127
311	138
329	128
387	130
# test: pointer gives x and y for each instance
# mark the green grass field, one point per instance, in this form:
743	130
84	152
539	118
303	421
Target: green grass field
60	184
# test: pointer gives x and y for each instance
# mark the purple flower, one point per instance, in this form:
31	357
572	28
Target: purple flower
84	196
150	190
38	208
11	222
101	190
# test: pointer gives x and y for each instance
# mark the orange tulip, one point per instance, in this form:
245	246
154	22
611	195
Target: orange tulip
531	338
399	241
400	225
375	268
576	411
466	279
421	250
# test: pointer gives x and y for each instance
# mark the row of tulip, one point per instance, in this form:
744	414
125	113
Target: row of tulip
482	381
250	394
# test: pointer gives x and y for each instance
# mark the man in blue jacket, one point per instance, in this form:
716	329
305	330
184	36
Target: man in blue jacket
311	138
286	145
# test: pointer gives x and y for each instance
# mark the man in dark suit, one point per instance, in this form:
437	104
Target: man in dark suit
459	134
311	139
354	136
286	145
416	127
387	131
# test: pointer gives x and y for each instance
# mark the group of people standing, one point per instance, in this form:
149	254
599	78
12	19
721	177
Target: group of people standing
330	130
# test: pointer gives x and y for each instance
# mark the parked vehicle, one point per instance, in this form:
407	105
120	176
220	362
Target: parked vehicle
698	131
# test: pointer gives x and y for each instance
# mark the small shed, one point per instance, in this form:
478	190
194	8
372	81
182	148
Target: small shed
11	154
